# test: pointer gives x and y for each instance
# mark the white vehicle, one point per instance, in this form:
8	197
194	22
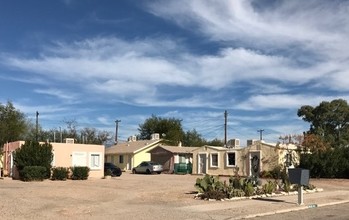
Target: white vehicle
148	167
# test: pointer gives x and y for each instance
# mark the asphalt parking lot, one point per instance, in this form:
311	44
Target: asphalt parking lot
131	196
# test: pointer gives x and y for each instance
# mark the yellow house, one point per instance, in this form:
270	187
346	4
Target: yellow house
66	154
259	156
131	153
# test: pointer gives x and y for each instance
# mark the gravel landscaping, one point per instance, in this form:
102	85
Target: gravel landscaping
129	196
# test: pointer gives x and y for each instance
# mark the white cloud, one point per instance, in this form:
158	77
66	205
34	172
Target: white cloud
68	96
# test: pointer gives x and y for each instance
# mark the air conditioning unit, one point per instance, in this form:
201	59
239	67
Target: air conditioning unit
132	138
234	143
69	140
155	136
251	142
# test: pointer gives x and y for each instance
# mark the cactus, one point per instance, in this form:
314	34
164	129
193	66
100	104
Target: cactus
208	183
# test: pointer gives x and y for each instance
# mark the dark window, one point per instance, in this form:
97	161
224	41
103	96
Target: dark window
231	159
121	159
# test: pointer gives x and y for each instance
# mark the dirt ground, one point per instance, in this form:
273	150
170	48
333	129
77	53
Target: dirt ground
131	196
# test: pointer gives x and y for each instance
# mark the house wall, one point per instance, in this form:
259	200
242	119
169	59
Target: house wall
68	155
141	156
8	150
65	155
222	168
270	156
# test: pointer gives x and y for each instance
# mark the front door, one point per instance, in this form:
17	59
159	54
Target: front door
202	164
255	164
129	162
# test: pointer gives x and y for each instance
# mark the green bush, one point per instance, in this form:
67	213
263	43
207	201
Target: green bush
60	173
32	153
33	173
80	173
332	163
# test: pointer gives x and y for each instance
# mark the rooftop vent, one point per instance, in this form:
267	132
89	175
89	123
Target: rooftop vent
69	140
155	136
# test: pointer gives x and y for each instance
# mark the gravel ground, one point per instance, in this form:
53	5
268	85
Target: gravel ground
127	197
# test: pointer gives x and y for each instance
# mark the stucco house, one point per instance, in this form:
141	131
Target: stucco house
131	153
174	159
243	161
66	154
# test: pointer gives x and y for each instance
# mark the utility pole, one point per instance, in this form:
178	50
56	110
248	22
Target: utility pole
225	127
61	136
260	134
116	130
37	126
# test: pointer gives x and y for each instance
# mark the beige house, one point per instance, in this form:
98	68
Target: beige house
131	153
243	161
66	154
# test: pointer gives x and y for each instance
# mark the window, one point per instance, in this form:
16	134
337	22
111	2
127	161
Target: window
79	159
121	159
95	161
182	159
231	161
214	159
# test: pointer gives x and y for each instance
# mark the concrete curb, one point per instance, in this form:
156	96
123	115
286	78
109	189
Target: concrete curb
303	207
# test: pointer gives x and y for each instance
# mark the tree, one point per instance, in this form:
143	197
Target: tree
13	124
329	121
169	128
215	142
32	153
93	136
193	139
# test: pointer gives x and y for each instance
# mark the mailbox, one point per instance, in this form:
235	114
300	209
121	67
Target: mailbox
299	176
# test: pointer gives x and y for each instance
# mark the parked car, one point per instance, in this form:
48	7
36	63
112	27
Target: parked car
148	167
112	169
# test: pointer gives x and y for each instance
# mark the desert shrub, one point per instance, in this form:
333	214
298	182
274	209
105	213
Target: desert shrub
33	173
237	182
266	174
249	189
276	172
237	193
80	173
269	187
213	194
60	173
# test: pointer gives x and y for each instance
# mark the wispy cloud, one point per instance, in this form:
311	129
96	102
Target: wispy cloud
66	96
136	73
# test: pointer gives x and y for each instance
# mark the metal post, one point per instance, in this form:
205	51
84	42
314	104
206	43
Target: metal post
116	130
37	126
300	195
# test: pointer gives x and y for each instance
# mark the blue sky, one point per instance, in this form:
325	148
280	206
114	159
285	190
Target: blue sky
98	61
